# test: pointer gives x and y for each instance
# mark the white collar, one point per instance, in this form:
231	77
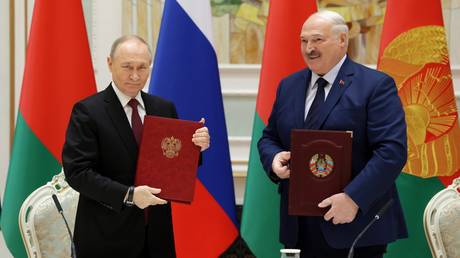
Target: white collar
331	75
124	99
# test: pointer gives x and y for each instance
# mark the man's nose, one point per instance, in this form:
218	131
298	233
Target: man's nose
134	76
310	47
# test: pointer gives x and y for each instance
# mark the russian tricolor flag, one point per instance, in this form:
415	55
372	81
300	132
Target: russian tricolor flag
185	71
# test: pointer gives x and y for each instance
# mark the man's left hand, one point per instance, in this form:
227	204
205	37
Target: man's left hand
201	137
343	208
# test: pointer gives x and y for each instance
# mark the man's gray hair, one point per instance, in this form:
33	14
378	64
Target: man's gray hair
125	38
337	21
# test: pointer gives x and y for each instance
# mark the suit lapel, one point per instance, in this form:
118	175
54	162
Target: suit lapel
299	101
120	121
340	85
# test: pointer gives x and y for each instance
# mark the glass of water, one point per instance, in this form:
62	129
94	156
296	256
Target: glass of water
290	253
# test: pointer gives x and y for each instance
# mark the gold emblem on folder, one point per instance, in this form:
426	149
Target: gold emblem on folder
171	147
321	165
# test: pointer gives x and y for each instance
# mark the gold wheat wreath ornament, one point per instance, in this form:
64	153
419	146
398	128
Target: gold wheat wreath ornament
171	147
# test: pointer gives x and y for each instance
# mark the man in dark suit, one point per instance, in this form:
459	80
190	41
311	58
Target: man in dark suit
100	155
335	93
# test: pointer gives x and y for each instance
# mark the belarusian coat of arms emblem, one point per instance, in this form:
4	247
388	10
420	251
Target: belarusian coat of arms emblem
321	165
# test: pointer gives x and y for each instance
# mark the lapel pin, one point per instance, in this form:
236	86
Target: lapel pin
341	82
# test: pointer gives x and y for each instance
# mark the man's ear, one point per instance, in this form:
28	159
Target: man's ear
109	63
343	39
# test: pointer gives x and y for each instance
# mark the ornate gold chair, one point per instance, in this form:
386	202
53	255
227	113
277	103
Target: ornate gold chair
441	221
42	228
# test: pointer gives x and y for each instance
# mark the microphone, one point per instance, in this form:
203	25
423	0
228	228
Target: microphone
376	217
59	208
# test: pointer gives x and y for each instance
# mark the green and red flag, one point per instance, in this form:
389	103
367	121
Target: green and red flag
58	73
281	57
413	50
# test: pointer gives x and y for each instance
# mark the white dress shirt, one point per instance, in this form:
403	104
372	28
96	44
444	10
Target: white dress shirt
312	86
124	99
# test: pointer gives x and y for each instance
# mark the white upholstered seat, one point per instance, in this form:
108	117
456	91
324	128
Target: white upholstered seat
42	228
441	221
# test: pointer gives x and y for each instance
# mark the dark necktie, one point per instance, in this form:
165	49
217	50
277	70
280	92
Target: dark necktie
136	122
136	125
315	107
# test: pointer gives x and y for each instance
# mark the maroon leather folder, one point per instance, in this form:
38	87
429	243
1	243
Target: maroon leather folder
168	159
320	167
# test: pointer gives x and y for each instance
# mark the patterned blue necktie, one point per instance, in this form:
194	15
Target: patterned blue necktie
315	107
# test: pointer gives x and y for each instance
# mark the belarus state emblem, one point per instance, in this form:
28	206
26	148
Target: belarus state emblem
321	165
171	147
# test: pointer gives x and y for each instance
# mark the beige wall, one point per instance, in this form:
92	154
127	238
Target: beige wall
4	104
4	91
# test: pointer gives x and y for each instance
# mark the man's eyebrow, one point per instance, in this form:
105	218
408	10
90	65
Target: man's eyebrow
302	35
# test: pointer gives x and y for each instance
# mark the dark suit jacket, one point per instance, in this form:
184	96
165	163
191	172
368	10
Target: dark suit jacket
99	159
364	101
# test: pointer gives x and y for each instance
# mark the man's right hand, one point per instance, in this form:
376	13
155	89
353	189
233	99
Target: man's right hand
280	164
144	196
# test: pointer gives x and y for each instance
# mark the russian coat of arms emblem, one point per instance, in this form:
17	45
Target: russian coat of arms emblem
171	147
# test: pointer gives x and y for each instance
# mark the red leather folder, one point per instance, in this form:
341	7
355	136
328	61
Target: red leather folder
168	159
320	167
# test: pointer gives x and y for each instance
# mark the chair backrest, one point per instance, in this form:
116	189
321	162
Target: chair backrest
441	221
42	227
